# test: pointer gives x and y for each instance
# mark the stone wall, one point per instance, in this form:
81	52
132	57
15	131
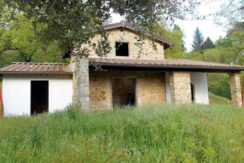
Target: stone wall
180	87
235	87
146	51
100	90
150	87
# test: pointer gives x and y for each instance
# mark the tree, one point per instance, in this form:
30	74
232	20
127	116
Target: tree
197	40
73	22
23	38
208	44
176	51
176	36
232	46
232	11
19	41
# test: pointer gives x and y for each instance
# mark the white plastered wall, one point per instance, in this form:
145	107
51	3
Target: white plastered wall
200	82
17	93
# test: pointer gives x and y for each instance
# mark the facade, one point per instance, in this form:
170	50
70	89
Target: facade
17	93
128	75
47	88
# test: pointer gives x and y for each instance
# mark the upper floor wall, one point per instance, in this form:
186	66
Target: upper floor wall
123	41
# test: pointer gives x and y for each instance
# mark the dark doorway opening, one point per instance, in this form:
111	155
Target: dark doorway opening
123	90
192	93
122	49
39	97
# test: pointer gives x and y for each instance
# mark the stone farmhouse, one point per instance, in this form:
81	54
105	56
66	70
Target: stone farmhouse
128	75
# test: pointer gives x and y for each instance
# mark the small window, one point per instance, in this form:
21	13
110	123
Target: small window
122	49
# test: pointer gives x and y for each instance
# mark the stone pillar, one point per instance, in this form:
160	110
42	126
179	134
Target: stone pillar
80	68
235	88
180	87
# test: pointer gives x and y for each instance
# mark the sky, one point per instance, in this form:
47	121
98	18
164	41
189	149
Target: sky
207	26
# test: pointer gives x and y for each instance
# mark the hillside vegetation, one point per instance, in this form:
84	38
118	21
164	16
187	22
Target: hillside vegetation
215	99
188	133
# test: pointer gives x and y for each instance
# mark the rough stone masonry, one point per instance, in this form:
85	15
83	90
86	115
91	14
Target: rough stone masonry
235	88
80	68
180	87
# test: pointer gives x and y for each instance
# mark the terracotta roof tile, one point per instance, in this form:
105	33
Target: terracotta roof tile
36	68
180	64
166	64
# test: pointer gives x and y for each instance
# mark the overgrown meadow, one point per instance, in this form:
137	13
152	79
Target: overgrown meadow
188	133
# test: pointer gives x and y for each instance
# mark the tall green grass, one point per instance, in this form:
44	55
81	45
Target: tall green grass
188	133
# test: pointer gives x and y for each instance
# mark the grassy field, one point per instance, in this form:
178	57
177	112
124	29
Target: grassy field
215	99
188	133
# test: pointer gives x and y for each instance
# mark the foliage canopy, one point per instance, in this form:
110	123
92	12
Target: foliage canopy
73	22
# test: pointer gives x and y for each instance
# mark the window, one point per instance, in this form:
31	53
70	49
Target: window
122	49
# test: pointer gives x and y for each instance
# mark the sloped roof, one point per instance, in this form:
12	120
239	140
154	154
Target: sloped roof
121	63
128	26
36	68
165	64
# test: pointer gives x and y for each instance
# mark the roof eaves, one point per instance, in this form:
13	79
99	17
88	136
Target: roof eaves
172	67
35	72
35	68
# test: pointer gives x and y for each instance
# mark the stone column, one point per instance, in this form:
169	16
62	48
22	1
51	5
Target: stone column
80	68
180	87
235	88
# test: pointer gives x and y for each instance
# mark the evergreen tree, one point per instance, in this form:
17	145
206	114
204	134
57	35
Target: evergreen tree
197	40
208	44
